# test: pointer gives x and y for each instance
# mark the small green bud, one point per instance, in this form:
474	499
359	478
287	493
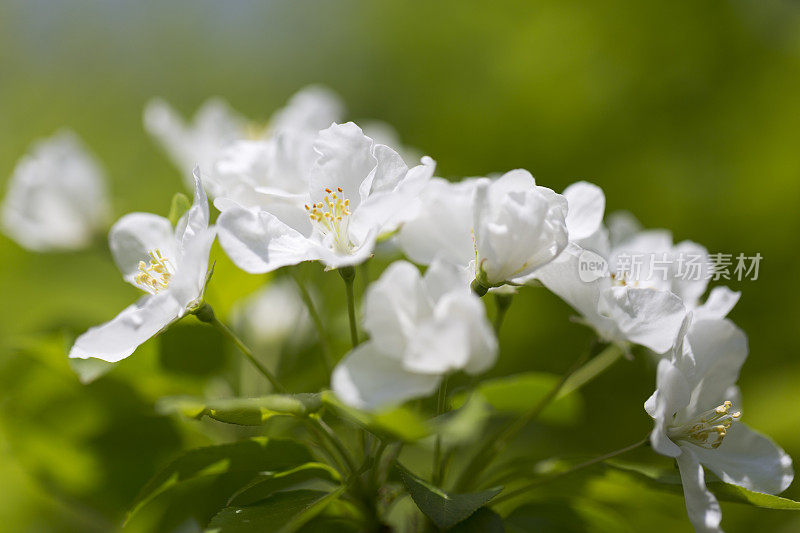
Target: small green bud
479	288
348	273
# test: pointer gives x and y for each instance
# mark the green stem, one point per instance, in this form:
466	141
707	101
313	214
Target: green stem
438	466
374	483
205	313
337	444
494	446
348	275
503	302
546	479
317	320
323	440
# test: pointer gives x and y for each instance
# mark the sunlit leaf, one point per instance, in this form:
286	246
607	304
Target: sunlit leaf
243	411
282	512
396	424
445	510
521	392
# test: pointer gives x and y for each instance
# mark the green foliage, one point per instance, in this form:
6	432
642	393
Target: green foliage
402	423
484	520
519	393
244	457
282	512
266	483
445	510
244	411
671	481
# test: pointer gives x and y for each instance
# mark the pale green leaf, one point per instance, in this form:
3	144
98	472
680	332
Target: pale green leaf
243	411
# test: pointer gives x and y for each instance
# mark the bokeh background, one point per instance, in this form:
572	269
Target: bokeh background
687	113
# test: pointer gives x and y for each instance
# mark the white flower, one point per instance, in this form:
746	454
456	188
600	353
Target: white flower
356	191
273	314
420	328
622	310
697	421
216	127
57	198
504	229
169	264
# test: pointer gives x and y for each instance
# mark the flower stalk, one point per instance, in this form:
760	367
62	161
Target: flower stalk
349	275
205	313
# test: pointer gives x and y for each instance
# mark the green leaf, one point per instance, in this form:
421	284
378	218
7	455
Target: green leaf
243	411
179	206
517	394
671	481
282	512
397	424
484	520
465	424
266	483
445	510
252	455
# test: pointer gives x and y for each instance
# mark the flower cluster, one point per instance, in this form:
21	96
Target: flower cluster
307	187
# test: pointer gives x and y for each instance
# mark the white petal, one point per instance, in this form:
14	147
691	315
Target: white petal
136	234
648	317
368	379
387	208
119	338
437	346
720	302
690	285
518	227
672	394
214	126
719	349
750	460
312	108
393	307
443	276
189	281
443	224
468	311
259	242
587	203
345	161
195	220
562	277
622	225
702	507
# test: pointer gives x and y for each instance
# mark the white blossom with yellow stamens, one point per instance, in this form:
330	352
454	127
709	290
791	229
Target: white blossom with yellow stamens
169	264
697	420
356	191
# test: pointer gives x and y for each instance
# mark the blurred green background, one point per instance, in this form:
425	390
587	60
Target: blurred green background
687	113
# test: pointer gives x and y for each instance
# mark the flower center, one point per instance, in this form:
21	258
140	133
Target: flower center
155	275
708	429
331	217
622	280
